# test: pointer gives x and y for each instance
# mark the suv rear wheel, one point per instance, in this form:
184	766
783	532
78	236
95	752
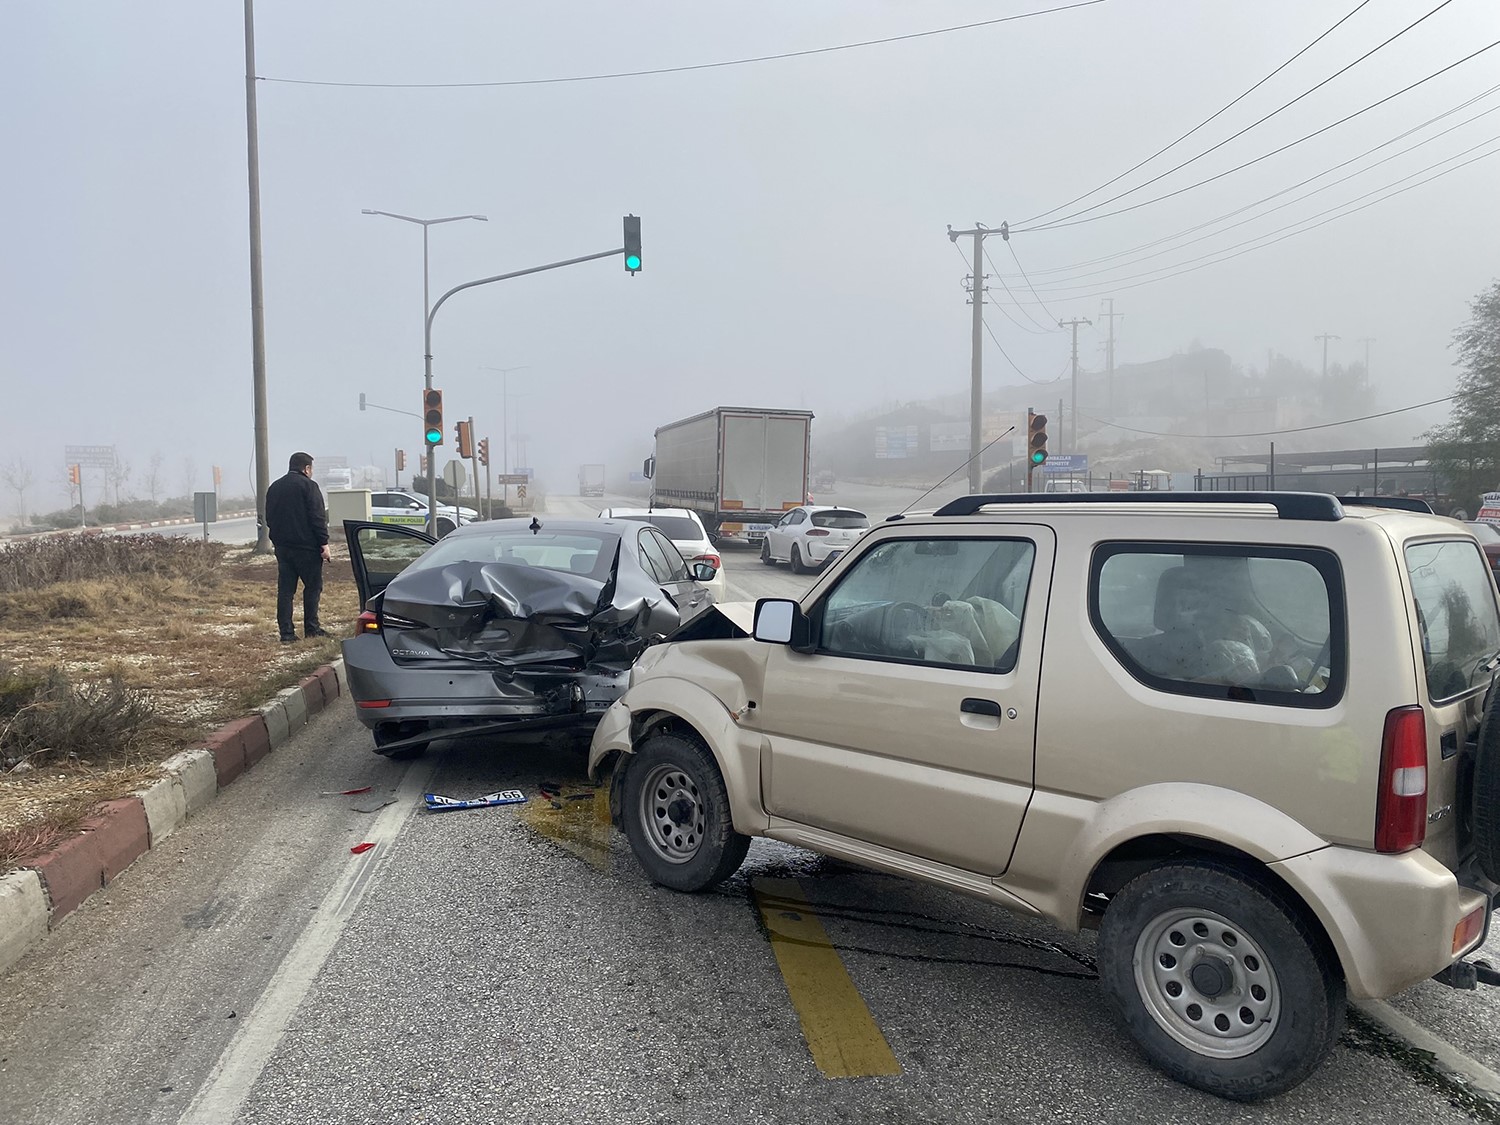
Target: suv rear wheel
1220	980
676	815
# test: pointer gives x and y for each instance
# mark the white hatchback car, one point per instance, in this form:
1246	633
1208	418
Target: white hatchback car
812	536
683	527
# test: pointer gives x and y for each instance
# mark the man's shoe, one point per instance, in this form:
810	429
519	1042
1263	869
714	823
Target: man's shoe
289	640
317	633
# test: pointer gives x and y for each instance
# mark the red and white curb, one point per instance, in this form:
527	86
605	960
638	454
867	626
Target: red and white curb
48	887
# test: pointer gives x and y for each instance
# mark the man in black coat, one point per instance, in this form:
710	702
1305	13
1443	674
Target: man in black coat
298	524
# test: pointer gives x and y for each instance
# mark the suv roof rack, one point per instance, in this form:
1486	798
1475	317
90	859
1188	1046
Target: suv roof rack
1400	503
1289	505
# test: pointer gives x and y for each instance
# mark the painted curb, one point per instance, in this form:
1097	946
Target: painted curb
48	887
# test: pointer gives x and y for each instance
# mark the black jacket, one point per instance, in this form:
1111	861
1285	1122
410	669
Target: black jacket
295	515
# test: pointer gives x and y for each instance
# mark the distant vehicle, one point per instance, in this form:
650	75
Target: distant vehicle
591	480
398	507
1489	539
508	626
812	536
740	468
683	527
823	480
1065	486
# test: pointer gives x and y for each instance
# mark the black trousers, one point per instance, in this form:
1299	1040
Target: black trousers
294	564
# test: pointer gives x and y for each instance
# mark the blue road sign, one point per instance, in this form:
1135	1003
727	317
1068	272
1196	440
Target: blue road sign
1066	463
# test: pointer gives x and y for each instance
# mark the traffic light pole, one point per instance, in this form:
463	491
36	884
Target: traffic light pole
474	461
427	352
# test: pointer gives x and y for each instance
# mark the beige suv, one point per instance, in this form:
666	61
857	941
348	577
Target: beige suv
1244	737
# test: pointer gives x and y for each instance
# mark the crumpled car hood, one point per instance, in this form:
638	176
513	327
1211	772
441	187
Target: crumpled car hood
511	614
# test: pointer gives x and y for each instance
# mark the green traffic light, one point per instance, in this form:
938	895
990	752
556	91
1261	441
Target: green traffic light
434	436
632	262
1038	457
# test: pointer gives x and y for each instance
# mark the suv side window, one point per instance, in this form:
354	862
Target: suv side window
1455	603
1252	623
956	603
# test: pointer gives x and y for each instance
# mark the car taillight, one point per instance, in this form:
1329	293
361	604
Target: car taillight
711	560
367	622
817	531
1401	807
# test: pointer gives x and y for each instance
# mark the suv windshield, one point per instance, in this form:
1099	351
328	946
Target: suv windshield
1456	612
843	518
673	527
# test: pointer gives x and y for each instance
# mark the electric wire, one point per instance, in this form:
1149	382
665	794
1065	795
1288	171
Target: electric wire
1041	328
1217	113
1067	269
996	341
1275	433
1273	210
685	69
1110	289
1030	286
1252	125
1264	156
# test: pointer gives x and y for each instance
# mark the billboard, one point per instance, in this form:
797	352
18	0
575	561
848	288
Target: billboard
895	443
948	437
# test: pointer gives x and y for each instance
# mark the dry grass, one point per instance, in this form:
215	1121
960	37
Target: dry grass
200	648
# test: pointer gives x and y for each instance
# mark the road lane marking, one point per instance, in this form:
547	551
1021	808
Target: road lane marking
228	1084
841	1034
1402	1026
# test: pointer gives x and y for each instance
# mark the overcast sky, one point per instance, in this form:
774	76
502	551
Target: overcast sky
793	211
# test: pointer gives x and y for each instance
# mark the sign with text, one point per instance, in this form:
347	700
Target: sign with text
511	478
92	456
948	437
1489	508
1066	463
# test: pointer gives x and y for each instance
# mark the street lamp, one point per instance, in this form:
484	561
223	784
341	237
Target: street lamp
426	314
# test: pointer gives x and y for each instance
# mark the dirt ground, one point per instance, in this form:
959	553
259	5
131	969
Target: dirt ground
202	653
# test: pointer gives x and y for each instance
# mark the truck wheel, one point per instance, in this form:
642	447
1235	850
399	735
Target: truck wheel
797	567
676	815
765	553
1486	806
1220	980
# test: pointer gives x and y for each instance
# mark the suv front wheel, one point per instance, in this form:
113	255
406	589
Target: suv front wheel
1220	980
676	815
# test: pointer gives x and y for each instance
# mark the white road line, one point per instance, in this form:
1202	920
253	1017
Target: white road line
1472	1071
220	1097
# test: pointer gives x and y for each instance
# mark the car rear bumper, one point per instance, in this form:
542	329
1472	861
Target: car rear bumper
387	692
820	552
1391	918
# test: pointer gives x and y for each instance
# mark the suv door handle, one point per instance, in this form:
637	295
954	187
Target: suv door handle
980	707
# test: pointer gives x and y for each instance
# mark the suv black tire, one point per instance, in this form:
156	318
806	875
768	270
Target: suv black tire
796	560
1254	1001
765	552
675	812
1486	806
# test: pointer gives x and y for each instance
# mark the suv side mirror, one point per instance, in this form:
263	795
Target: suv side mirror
704	572
780	621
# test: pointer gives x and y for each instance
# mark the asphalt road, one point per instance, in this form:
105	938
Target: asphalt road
512	964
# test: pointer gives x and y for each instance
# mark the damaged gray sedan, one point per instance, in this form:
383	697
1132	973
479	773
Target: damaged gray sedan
510	626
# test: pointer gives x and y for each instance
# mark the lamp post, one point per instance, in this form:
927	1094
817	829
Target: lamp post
426	315
504	373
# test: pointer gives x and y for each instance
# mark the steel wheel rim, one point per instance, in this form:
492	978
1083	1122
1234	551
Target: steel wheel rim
673	814
1178	952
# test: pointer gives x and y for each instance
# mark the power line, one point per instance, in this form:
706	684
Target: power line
1030	286
996	340
1301	183
1204	122
693	67
1041	329
1274	433
1263	156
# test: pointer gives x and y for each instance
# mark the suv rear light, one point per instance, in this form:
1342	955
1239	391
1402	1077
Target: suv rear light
712	560
367	622
818	531
1468	931
1401	807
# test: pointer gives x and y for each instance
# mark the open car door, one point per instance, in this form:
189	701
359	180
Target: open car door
380	551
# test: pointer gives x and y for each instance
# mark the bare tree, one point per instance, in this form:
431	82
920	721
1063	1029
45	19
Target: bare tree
189	476
153	481
18	476
118	476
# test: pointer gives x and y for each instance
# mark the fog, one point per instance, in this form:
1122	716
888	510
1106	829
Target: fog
793	213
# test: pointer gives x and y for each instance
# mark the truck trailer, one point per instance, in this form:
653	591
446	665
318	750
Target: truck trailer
740	468
591	480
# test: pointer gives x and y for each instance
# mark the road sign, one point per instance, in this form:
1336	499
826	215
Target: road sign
455	473
512	478
521	492
1066	463
523	472
92	456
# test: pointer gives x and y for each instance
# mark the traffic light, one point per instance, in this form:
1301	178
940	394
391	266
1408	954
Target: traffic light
73	474
432	416
1036	440
400	459
465	439
633	244
484	451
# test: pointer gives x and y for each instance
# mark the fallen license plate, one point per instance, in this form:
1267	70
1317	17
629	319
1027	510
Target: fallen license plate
438	803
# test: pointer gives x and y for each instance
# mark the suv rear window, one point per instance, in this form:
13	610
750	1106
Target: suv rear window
843	518
1456	614
1250	623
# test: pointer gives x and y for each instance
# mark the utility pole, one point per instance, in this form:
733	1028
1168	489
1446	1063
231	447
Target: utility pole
474	460
1367	341
1073	414
1109	362
257	305
1325	337
976	347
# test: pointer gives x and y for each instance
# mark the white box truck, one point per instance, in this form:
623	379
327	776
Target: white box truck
738	467
591	480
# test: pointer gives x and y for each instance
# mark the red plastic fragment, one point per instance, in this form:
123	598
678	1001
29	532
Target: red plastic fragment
359	849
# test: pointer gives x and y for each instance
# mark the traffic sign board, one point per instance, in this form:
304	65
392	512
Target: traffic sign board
1066	463
511	478
455	473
